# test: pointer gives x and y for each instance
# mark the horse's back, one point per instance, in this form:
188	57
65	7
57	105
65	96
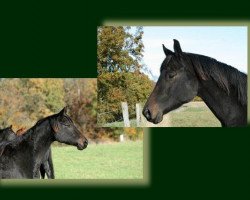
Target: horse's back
14	165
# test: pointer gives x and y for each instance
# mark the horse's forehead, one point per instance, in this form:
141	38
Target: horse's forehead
170	63
165	63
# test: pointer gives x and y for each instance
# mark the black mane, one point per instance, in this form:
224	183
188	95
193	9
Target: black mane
30	131
26	134
225	76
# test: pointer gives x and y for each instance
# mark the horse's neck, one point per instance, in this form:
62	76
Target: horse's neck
41	144
42	140
225	107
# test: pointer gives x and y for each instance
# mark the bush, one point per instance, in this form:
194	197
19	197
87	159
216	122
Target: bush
133	133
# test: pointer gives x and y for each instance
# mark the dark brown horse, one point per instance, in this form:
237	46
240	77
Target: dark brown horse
185	75
23	156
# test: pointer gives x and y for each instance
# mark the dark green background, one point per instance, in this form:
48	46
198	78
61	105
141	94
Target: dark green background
58	39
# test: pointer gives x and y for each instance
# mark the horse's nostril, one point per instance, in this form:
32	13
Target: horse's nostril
147	114
86	142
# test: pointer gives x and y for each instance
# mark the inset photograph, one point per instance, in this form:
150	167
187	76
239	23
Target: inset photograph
48	131
172	76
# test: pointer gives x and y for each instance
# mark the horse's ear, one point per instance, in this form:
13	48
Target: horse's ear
10	127
63	111
177	47
167	51
66	109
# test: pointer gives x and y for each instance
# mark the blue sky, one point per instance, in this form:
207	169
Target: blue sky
227	44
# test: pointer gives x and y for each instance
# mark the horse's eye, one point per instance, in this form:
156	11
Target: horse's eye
171	74
65	122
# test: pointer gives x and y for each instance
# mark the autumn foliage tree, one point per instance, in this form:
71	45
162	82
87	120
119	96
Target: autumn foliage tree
81	97
42	97
119	55
23	101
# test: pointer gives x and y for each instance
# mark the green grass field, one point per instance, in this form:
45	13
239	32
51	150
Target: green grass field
193	114
194	117
102	161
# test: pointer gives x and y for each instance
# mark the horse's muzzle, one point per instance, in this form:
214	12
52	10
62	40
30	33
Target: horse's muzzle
148	115
81	146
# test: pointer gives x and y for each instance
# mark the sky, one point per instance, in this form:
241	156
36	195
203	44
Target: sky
227	44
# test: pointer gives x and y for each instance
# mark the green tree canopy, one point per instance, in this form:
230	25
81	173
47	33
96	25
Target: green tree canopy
120	78
114	88
119	49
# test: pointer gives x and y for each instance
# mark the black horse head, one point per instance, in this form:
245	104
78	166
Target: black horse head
176	85
66	132
185	75
7	134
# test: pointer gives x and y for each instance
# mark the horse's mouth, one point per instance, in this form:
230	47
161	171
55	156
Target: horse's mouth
158	118
148	115
81	147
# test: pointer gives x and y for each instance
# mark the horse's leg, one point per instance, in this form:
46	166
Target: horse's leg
42	171
36	171
49	166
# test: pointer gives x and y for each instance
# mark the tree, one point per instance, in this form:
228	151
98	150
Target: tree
24	101
11	103
113	88
81	97
42	96
119	55
119	49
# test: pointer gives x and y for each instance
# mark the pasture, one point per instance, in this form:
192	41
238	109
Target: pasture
192	114
99	161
